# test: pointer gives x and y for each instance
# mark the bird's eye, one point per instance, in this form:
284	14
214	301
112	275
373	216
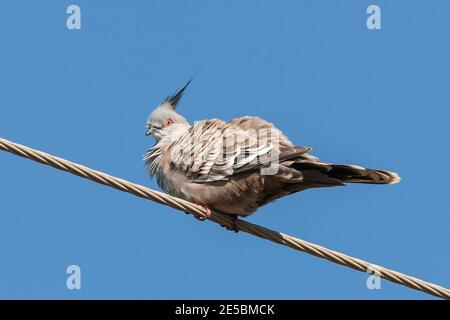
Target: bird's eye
168	122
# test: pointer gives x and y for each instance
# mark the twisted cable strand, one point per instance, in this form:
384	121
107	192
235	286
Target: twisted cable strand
224	220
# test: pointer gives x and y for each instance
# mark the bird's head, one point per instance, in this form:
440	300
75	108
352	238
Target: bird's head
164	121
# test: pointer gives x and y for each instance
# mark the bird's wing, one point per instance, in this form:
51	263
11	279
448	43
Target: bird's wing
256	123
214	150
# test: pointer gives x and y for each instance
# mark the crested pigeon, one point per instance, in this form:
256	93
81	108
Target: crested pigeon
237	166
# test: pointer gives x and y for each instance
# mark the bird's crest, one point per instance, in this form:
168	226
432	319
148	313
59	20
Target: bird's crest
175	98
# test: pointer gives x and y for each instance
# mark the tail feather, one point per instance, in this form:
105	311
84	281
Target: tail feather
346	173
357	174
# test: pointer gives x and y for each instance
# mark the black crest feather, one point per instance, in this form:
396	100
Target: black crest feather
175	98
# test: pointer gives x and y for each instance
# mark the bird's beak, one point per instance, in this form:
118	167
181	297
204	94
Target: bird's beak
153	130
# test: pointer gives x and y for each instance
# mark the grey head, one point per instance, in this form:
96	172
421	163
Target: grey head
164	121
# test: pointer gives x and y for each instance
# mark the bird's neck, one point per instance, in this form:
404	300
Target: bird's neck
177	130
154	156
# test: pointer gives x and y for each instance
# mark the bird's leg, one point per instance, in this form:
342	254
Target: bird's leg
208	215
234	223
235	227
207	209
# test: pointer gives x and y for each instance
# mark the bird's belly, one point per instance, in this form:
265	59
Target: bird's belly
221	196
217	197
171	185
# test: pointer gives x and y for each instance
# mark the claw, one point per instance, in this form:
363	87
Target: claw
234	224
207	209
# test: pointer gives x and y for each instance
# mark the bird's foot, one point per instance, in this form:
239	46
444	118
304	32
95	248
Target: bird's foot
234	226
207	211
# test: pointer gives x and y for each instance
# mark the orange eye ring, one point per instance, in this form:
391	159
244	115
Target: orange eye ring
168	122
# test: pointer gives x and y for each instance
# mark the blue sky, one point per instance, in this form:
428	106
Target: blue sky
378	98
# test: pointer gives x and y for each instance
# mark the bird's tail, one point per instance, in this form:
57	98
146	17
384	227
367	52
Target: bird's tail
321	174
357	174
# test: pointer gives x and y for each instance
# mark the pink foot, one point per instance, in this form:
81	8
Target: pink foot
207	209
